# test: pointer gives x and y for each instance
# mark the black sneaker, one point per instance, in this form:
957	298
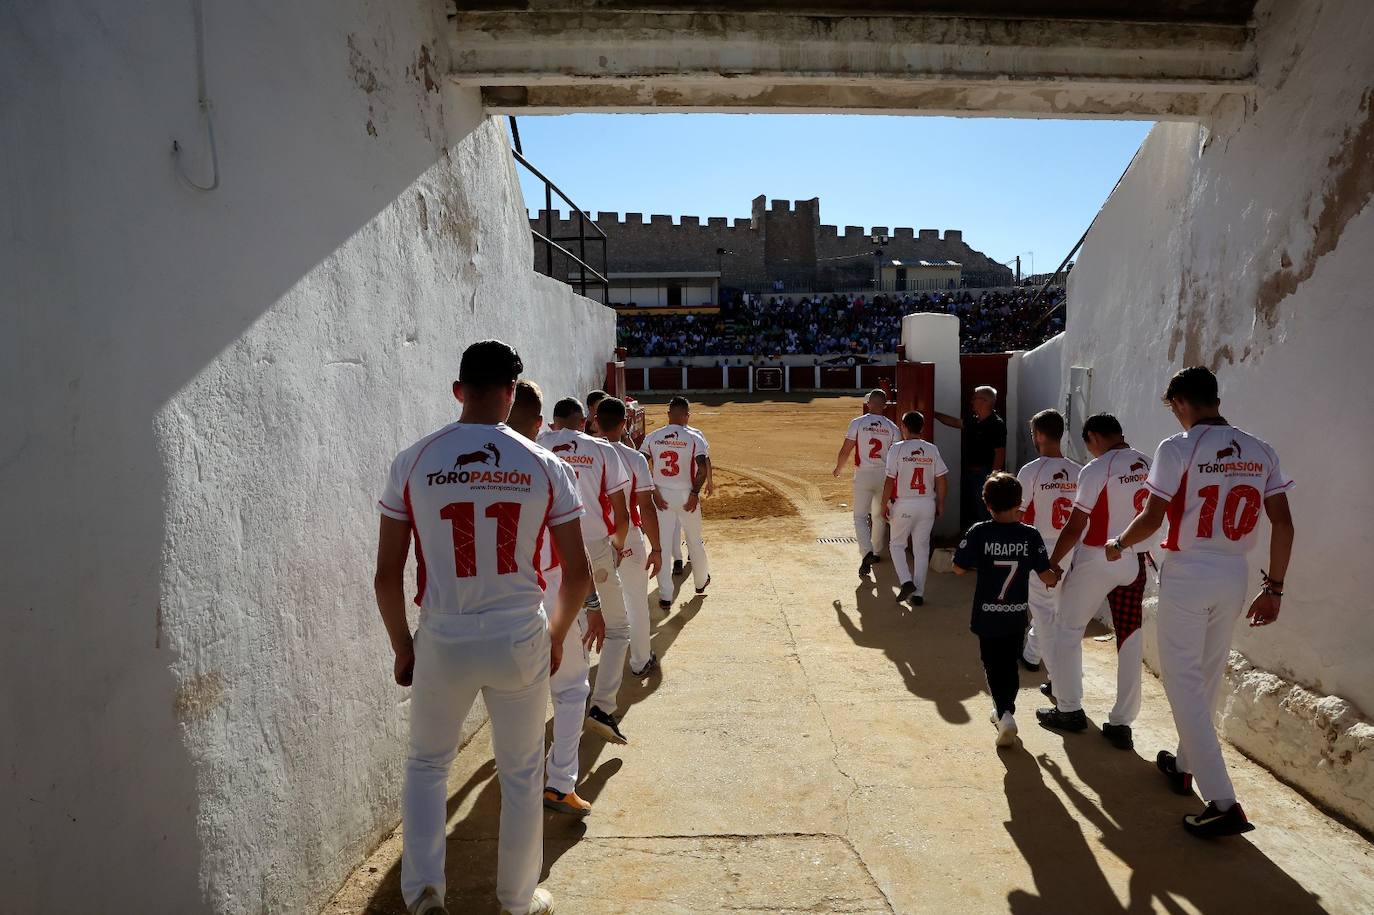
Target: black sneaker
1056	720
1180	782
605	724
702	589
1118	735
677	566
877	560
665	605
648	667
1047	689
1213	823
1033	667
907	590
866	566
917	600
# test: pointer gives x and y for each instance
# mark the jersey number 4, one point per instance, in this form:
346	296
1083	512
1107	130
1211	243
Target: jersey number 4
462	518
1239	515
918	480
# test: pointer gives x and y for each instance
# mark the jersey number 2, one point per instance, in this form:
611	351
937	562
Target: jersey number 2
875	448
462	518
1238	517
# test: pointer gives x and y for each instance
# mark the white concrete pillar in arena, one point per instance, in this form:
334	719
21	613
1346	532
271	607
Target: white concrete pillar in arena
935	338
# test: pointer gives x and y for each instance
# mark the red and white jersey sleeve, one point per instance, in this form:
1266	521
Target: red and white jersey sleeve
1048	489
674	450
1215	479
1111	489
873	435
641	480
599	472
548	553
914	465
480	500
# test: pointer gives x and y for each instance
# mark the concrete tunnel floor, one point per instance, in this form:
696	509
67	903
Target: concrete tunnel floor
811	746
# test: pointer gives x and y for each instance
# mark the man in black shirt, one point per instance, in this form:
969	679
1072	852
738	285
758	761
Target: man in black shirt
1003	552
986	451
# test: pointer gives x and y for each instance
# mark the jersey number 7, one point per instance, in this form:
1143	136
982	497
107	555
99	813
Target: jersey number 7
462	517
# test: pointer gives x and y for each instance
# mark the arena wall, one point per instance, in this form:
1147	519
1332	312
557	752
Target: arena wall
1039	376
205	391
1244	244
935	338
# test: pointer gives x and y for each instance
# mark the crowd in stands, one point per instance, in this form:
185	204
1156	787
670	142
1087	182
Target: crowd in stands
990	321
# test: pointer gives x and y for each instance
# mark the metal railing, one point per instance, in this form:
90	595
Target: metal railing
552	243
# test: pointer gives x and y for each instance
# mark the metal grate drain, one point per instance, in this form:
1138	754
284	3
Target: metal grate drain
837	540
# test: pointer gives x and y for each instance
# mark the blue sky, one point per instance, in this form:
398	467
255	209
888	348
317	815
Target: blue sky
1013	186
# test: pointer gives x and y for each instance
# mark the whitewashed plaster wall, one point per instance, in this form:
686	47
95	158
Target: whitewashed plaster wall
1039	377
202	392
935	338
1244	244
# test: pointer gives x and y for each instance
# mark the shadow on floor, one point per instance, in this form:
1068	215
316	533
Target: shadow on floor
470	862
1137	820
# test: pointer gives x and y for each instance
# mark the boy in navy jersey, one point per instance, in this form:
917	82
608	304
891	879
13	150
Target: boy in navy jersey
1003	552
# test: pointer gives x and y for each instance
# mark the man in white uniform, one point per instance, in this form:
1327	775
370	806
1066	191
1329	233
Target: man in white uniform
681	463
1210	481
867	439
1048	485
568	686
914	493
478	500
643	557
708	490
1111	487
603	483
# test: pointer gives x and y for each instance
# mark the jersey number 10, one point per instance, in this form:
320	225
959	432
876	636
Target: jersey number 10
1239	515
462	517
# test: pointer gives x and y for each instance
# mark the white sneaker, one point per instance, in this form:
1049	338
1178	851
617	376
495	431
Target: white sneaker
1006	730
540	904
429	903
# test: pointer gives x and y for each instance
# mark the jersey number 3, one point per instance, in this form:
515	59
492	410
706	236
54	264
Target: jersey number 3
462	517
670	468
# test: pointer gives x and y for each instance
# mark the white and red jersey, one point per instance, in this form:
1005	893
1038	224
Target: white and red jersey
1111	489
479	499
872	434
1216	478
548	551
1048	488
599	474
641	479
915	464
674	450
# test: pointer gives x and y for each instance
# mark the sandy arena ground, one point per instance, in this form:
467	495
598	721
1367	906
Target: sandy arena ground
810	746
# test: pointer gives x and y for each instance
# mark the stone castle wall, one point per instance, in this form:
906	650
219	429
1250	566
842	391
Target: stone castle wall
781	240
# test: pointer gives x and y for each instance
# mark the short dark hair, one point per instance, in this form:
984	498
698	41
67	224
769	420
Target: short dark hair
489	364
1049	423
1002	492
1195	385
679	402
528	397
594	397
568	406
914	421
876	392
1104	424
610	411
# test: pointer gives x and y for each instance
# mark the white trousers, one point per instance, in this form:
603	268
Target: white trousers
635	580
674	523
505	657
1084	589
569	689
912	521
610	669
1200	598
1044	602
869	527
